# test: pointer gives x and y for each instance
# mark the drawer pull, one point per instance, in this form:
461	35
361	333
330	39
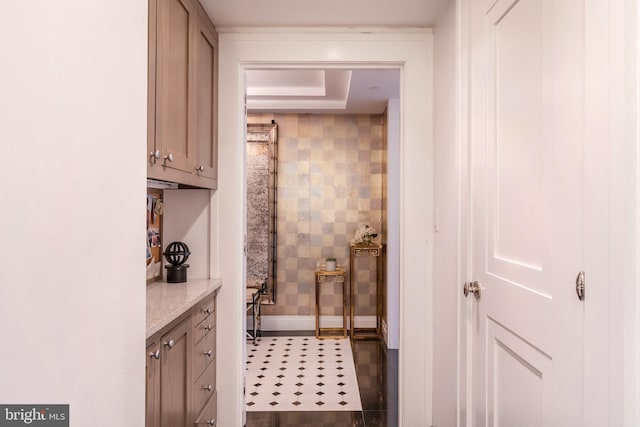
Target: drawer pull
208	327
211	422
155	354
208	311
208	353
169	343
208	387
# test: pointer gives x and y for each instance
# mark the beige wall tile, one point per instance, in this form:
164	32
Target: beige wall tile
326	190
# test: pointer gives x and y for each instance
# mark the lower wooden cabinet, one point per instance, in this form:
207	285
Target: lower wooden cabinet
181	371
203	361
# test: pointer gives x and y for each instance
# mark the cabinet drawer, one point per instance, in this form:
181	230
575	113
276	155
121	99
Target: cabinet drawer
209	415
204	353
200	330
204	388
204	311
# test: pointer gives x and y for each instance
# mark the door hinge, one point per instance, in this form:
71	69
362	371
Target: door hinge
580	284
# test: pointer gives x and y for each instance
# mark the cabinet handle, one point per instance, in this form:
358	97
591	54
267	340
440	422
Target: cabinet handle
208	387
154	155
208	327
168	158
211	422
208	353
155	354
200	168
208	311
169	343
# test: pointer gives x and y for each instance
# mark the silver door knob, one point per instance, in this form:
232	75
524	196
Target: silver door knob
208	353
208	387
155	354
200	168
580	285
211	422
208	311
208	327
169	343
154	155
472	288
168	158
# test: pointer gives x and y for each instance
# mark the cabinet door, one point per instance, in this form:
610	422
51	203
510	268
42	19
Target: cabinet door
206	120
152	395
175	387
174	81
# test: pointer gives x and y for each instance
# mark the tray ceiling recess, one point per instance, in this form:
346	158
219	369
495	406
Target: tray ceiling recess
335	91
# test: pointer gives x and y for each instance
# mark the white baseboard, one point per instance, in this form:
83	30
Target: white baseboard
308	323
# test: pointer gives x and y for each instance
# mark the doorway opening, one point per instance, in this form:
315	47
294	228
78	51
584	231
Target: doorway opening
338	166
338	169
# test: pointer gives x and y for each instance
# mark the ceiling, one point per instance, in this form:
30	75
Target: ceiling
346	91
303	13
337	91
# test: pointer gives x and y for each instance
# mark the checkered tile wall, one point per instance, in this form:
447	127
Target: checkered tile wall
330	177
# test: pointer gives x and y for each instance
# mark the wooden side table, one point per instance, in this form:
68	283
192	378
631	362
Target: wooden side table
361	250
331	277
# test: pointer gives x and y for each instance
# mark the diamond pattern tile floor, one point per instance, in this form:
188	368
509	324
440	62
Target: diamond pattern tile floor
301	374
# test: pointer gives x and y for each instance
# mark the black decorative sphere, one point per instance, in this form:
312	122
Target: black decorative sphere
176	253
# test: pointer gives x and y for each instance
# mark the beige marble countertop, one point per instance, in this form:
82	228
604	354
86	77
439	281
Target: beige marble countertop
167	301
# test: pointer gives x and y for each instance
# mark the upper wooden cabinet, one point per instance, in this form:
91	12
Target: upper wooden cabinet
205	130
182	129
174	84
206	101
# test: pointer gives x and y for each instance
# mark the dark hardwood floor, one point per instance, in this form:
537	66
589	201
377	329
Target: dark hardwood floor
377	371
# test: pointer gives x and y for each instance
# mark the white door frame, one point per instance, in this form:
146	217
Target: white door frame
409	50
463	141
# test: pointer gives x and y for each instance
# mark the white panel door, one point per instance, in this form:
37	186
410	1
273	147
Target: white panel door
526	212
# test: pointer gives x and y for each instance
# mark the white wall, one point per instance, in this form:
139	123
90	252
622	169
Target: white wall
626	221
611	246
632	316
412	52
72	189
186	218
446	281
